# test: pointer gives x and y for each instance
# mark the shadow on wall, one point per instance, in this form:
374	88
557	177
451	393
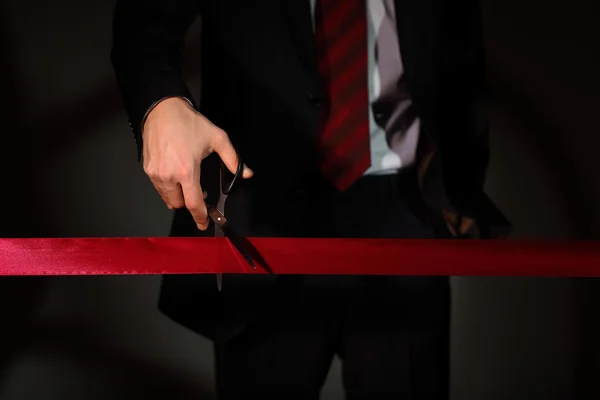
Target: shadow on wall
29	144
18	296
102	371
17	211
549	49
543	70
511	97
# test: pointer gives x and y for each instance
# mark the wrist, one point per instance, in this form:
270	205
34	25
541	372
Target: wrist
159	106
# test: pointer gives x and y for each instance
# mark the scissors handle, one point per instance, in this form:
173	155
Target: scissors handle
228	180
217	217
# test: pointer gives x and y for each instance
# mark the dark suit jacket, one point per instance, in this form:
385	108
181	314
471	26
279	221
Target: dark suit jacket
260	84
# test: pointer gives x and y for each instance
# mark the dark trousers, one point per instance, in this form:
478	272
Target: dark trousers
391	332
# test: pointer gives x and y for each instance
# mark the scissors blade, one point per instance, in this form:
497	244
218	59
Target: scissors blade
219	282
218	232
237	242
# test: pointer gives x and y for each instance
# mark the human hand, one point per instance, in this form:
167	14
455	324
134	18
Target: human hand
176	138
458	225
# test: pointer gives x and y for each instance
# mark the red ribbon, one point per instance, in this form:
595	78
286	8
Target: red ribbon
110	256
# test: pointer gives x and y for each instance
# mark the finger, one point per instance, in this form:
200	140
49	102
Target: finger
451	218
423	167
174	194
248	173
451	229
204	195
222	145
157	183
194	201
466	225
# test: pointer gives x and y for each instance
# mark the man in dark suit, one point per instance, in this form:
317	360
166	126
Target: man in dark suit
359	119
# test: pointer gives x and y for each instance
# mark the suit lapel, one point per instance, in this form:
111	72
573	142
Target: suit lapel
299	20
404	21
417	26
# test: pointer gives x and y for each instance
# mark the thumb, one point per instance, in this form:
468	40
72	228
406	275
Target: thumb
466	224
223	147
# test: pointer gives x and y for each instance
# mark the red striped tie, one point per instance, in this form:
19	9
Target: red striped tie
341	43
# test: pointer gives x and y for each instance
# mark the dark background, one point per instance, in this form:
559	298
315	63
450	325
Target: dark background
69	169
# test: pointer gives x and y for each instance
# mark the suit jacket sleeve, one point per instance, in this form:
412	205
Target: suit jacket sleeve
147	50
464	123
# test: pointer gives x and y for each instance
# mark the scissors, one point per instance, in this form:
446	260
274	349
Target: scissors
217	215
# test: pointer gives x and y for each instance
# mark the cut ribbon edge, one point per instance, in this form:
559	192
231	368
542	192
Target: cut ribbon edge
160	255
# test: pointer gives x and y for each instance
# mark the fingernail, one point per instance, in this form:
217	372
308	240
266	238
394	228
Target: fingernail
202	226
